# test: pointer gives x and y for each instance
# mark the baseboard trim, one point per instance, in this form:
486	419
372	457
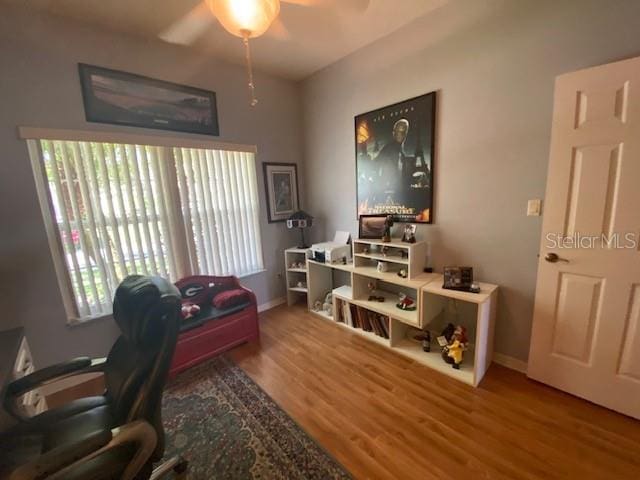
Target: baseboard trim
510	362
271	304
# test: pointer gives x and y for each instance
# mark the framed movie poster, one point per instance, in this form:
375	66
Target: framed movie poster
394	160
122	98
281	187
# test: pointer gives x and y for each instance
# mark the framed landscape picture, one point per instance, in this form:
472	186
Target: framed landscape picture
281	187
122	98
395	159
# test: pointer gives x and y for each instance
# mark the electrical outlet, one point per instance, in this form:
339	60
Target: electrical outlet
534	207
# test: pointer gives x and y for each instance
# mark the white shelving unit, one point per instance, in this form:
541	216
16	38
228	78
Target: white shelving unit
295	275
350	283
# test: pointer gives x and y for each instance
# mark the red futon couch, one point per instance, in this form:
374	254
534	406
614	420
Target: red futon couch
228	316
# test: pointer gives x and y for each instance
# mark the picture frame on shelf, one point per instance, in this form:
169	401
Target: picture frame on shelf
409	233
123	98
371	226
281	190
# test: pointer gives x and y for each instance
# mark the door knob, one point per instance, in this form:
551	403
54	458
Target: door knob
553	258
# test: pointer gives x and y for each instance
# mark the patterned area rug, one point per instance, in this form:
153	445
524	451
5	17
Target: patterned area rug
217	418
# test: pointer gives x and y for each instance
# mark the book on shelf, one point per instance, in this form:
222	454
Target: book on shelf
346	312
339	313
367	320
355	320
364	319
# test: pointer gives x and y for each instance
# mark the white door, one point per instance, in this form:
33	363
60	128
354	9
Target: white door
586	324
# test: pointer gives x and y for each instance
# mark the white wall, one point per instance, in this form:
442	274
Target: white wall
493	64
39	87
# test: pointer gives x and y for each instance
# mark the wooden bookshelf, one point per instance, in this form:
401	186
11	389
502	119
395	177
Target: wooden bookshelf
295	275
350	283
401	255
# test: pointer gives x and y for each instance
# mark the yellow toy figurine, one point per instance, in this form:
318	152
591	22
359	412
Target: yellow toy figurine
454	352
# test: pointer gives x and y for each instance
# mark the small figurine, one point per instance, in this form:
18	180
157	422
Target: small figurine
452	354
425	340
447	333
409	234
385	250
405	302
327	306
301	285
402	273
317	306
190	310
460	334
388	223
366	250
372	296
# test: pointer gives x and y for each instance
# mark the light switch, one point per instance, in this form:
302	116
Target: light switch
533	207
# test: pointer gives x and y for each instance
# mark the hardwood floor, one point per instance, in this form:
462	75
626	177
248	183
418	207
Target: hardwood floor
384	416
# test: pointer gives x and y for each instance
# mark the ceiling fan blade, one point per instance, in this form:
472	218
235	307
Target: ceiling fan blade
304	3
354	5
278	30
189	28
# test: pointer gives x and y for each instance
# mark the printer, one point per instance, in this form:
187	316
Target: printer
337	251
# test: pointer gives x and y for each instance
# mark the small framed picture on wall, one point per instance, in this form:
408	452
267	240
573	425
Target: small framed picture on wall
281	187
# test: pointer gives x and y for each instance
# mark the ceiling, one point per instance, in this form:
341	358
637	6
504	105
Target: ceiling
304	40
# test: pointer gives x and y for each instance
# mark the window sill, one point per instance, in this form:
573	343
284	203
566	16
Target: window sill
78	322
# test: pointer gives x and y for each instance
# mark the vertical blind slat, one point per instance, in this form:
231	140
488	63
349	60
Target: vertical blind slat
253	189
125	152
210	184
105	243
149	258
92	228
225	237
147	180
184	205
238	251
206	208
244	213
111	213
83	305
161	203
79	224
192	207
121	217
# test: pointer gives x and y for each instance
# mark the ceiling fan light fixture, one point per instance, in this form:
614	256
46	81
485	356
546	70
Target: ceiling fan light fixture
245	18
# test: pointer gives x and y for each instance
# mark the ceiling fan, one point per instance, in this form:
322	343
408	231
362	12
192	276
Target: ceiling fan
245	19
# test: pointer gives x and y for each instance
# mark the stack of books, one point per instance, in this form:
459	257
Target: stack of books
359	317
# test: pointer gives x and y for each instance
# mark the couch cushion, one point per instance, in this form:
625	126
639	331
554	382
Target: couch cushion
208	313
230	298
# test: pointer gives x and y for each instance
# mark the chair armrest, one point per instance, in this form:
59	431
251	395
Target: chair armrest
60	457
19	387
33	380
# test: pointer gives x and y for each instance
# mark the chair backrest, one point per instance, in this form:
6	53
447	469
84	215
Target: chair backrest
147	310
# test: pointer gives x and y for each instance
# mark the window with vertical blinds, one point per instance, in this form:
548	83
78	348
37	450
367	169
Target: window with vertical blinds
119	209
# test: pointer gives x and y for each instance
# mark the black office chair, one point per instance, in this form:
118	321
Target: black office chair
119	434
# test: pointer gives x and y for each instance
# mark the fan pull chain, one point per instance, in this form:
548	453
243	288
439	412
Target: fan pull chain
252	89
